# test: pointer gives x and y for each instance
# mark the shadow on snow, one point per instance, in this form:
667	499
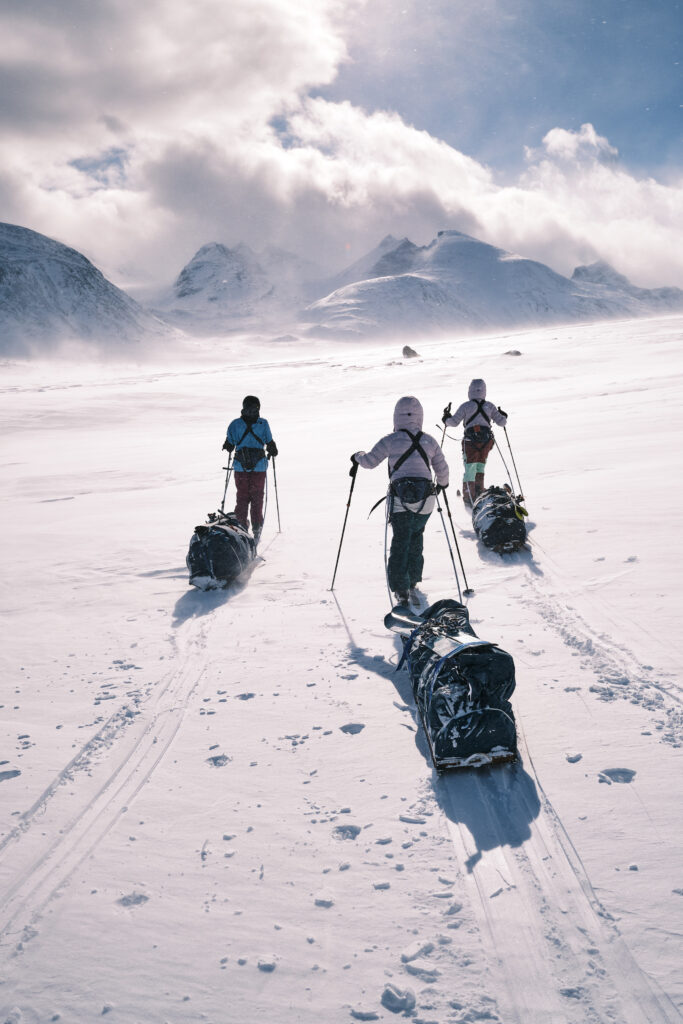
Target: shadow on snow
195	603
496	804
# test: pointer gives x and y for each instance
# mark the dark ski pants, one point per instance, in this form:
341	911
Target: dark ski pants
474	455
405	555
250	488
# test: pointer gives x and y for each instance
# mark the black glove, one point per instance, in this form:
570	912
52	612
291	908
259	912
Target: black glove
271	448
440	488
228	446
446	413
502	412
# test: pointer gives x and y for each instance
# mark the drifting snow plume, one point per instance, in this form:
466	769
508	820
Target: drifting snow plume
652	300
459	282
226	289
50	293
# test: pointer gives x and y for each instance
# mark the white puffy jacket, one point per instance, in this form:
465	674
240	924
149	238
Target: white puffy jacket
408	415
465	413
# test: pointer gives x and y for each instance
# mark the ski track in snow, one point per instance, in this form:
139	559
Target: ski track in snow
63	827
558	955
619	675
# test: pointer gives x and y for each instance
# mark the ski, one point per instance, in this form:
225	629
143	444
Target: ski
402	619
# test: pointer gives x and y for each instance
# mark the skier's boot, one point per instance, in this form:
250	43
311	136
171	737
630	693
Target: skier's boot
402	597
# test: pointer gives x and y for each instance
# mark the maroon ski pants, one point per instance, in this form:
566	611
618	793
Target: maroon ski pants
250	488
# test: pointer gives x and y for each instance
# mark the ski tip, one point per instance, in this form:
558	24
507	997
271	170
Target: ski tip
402	618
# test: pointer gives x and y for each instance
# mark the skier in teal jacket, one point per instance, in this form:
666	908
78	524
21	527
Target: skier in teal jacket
250	438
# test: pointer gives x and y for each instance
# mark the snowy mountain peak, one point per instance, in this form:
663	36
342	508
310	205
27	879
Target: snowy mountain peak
601	272
216	272
51	293
459	282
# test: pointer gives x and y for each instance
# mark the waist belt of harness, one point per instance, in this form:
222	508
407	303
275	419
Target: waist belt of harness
479	436
412	489
249	458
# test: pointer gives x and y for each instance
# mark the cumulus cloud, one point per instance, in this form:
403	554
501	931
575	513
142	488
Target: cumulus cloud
584	146
137	133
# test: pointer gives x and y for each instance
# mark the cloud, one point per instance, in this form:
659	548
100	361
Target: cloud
137	133
584	146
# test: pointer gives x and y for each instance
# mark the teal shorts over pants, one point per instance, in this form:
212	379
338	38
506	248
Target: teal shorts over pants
406	559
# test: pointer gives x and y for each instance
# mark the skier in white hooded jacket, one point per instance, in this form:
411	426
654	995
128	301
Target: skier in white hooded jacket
476	415
411	456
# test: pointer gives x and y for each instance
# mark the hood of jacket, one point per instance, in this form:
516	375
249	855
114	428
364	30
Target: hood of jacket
477	390
408	414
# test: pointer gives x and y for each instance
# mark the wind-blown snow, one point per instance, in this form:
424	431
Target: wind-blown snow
221	288
50	293
219	806
458	282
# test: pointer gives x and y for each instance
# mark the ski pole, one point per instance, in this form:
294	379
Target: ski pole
450	549
443	436
227	480
277	503
468	590
352	474
519	482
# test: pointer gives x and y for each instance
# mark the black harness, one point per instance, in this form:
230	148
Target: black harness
249	456
414	447
411	489
480	411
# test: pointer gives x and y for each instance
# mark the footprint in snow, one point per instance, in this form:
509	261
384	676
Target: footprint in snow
11	774
346	832
218	761
133	899
352	728
398	1000
416	950
610	775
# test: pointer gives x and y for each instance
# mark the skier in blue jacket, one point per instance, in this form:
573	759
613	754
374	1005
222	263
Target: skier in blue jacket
247	436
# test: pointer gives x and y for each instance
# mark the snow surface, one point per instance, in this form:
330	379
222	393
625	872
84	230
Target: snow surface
219	806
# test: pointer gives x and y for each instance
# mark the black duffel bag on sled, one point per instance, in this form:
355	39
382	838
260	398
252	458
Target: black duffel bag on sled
462	687
220	550
498	519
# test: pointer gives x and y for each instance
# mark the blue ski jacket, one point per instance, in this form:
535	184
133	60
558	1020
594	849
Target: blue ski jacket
255	436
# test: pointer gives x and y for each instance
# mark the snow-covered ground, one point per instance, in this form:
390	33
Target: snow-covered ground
219	806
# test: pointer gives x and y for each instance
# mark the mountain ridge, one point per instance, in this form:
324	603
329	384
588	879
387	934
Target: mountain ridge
50	292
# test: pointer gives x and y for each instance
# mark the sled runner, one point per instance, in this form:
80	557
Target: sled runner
462	686
498	519
220	550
